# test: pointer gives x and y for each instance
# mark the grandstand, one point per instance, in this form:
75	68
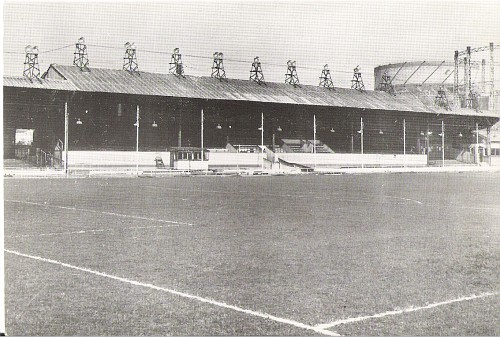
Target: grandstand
237	121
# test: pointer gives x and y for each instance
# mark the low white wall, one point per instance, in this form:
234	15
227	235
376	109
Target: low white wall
495	160
96	159
115	158
354	159
226	159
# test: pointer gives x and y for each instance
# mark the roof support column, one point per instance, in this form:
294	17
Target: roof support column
66	136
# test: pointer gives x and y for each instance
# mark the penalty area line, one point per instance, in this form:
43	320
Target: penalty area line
101	212
181	294
402	311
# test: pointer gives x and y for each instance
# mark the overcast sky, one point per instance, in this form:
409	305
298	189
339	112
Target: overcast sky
342	34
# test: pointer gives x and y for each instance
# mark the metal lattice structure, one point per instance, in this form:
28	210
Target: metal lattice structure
80	56
325	80
176	66
492	79
467	74
218	66
386	84
31	67
256	73
472	101
357	81
130	60
291	76
441	100
455	82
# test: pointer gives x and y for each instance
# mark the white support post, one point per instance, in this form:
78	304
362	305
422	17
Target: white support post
477	144
137	141
66	137
262	138
442	141
202	149
404	142
314	141
488	145
362	150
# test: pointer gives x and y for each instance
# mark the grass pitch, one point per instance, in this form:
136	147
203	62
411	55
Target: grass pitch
309	249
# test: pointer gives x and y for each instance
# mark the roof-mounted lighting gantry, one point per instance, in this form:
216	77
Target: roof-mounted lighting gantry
31	67
176	66
130	59
80	57
291	76
325	80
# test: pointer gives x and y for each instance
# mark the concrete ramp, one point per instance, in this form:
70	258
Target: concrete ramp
303	168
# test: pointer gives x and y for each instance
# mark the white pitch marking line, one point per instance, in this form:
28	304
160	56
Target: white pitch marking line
101	212
402	311
181	294
401	198
93	231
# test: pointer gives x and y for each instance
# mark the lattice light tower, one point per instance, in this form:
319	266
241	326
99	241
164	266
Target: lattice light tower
441	100
130	59
218	67
31	67
256	73
80	57
325	80
386	84
176	66
357	81
291	76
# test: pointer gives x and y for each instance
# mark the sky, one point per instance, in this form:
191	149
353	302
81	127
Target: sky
313	33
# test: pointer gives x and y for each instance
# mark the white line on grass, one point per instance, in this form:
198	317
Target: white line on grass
92	231
337	198
181	294
402	311
100	212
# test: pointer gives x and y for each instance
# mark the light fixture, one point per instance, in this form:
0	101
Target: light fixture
79	122
154	124
219	126
279	129
460	135
136	124
230	126
441	134
359	131
422	133
429	132
381	132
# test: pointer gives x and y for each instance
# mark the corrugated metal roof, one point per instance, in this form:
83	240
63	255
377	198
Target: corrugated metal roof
23	82
154	84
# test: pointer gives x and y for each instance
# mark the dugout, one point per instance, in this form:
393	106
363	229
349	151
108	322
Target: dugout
188	158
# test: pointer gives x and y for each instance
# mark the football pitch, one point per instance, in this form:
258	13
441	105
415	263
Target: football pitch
372	254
